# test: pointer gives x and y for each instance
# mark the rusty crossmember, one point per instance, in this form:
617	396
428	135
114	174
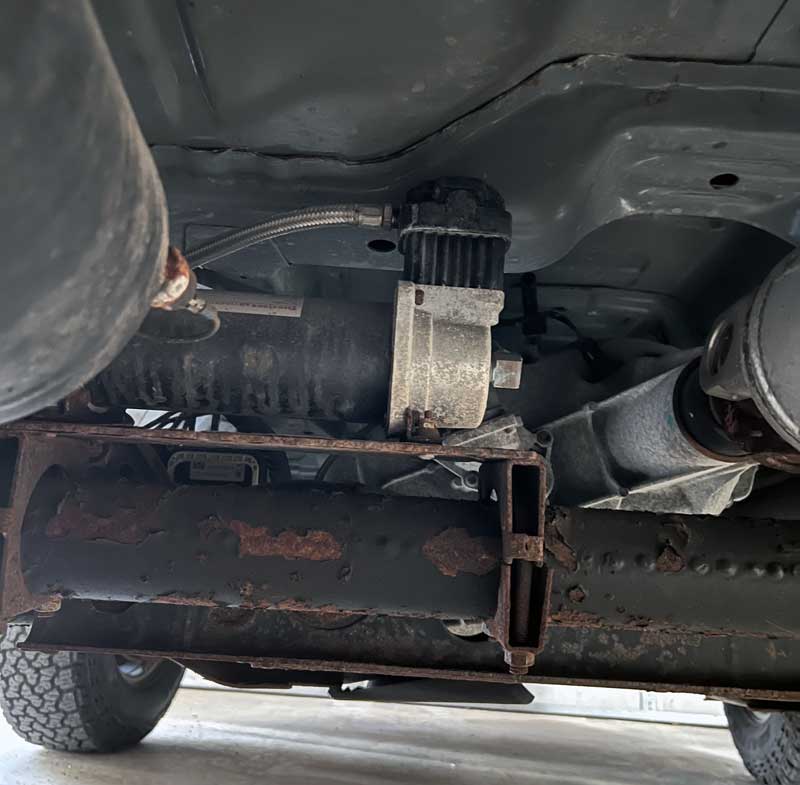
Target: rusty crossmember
672	601
514	478
289	647
263	441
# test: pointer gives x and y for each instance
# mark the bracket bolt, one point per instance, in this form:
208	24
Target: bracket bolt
519	662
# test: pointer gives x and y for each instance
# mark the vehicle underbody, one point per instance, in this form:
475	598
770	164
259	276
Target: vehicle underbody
520	402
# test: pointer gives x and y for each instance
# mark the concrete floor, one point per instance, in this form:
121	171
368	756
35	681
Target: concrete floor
224	738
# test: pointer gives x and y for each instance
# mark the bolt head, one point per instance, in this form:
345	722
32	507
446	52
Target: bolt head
519	662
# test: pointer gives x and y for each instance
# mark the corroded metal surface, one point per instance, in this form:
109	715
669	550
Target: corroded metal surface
304	646
523	597
26	462
264	441
119	521
118	537
178	283
292	549
557	547
673	600
683	574
455	550
312	545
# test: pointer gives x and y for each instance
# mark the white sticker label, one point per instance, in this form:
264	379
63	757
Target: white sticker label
254	303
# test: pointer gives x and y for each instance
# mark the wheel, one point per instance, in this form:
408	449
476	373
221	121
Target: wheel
769	743
79	702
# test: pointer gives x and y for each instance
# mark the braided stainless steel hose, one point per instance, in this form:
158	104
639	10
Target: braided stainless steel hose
373	216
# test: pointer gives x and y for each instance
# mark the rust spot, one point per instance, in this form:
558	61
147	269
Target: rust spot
314	545
126	526
291	604
559	548
251	601
669	560
525	547
330	621
666	640
177	599
288	604
576	594
177	281
455	550
569	618
215	439
49	605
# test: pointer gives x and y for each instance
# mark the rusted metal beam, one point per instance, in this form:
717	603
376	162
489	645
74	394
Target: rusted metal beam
705	575
676	602
730	667
515	617
293	549
262	441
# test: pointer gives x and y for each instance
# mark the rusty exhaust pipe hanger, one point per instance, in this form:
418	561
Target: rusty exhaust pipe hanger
178	283
214	547
177	314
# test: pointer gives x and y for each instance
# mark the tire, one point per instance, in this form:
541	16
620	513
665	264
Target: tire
76	702
769	744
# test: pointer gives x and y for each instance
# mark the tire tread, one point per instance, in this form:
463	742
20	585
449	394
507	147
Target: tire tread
773	757
57	700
